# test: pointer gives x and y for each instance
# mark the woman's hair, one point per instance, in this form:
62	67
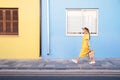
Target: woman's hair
87	31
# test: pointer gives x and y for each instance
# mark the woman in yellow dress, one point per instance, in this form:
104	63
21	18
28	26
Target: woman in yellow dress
85	51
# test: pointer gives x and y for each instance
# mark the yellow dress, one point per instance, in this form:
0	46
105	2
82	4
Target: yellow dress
85	46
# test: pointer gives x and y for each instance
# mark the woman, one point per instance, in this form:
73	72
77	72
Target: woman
85	51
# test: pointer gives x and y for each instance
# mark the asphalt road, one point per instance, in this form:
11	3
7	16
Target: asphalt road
58	78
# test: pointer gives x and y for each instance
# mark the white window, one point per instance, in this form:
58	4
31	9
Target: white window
76	19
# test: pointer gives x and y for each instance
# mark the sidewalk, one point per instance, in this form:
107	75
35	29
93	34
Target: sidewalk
39	67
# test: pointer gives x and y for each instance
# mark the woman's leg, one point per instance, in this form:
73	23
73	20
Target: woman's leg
82	54
92	58
92	61
78	59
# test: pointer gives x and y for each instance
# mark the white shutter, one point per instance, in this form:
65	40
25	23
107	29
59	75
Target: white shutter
79	18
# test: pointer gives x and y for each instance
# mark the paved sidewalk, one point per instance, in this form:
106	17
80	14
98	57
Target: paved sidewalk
60	64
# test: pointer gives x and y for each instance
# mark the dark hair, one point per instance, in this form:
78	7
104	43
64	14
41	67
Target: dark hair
87	31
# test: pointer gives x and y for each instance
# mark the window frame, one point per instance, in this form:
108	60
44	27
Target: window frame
13	29
81	33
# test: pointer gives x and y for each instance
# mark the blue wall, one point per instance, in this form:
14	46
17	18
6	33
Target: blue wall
106	44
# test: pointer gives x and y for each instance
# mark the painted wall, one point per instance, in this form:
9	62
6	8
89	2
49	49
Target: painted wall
26	44
106	44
